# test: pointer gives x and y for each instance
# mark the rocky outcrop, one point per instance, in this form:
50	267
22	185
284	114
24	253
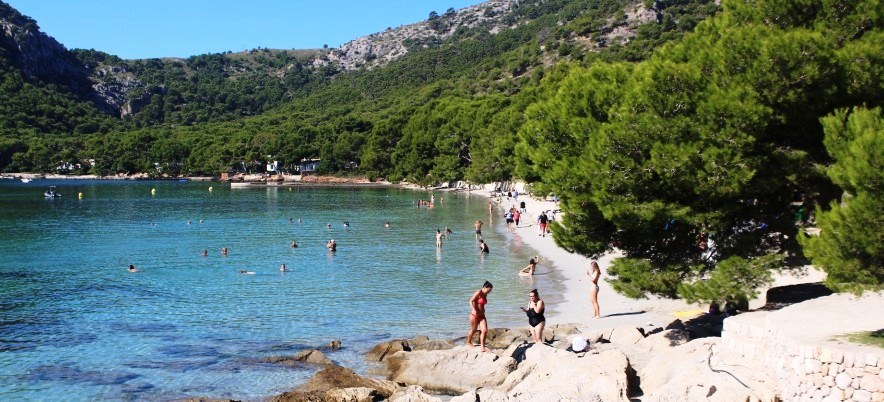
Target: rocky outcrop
452	371
382	351
339	384
382	47
546	373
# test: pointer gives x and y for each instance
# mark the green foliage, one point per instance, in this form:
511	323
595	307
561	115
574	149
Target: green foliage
688	161
734	279
850	246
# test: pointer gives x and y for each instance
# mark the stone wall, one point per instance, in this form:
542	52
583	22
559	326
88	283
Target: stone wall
805	371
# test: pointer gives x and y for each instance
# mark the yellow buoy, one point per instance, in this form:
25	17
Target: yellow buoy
153	191
210	189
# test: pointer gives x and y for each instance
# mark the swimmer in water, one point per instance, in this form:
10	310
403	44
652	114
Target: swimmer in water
282	268
332	246
244	272
132	268
205	253
294	244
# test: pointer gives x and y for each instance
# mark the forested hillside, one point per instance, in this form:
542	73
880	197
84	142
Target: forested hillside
213	113
703	142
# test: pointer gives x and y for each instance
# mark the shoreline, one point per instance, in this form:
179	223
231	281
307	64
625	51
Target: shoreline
616	310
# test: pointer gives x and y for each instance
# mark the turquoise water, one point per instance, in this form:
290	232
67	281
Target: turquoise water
75	325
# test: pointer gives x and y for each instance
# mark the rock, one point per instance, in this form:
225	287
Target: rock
559	331
435	344
452	371
334	345
383	350
418	339
339	384
413	393
313	356
598	335
502	338
484	395
662	341
626	334
689	372
545	373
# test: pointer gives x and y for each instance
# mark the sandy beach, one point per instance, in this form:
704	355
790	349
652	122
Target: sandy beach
616	309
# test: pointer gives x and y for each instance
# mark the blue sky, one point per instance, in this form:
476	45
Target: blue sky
182	28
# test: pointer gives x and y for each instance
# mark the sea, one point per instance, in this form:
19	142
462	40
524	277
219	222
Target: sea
75	324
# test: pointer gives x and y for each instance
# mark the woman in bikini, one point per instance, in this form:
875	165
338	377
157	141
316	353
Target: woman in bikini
477	315
535	315
594	287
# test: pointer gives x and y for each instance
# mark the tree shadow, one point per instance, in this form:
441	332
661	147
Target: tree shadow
782	296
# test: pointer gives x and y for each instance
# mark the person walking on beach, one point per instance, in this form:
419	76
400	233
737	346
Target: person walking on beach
532	265
535	315
594	288
478	230
477	315
543	220
517	216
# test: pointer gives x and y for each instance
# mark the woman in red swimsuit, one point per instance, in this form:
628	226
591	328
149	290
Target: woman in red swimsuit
477	315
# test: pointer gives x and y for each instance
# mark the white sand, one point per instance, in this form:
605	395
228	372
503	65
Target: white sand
616	309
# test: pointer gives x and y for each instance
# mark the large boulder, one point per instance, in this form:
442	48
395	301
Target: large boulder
663	367
450	372
549	374
433	344
413	393
557	332
384	349
502	338
339	384
626	334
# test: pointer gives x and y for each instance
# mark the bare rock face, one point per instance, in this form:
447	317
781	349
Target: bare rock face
413	393
559	332
383	350
484	395
339	384
452	371
545	373
665	340
434	344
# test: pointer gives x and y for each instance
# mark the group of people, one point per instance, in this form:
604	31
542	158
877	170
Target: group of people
534	310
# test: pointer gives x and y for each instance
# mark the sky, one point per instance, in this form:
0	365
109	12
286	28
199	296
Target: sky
181	28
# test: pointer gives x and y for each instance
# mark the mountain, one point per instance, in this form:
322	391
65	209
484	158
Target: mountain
499	45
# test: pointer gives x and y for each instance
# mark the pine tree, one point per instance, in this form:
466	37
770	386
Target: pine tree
850	245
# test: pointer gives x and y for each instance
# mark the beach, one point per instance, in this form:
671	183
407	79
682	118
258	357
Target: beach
616	309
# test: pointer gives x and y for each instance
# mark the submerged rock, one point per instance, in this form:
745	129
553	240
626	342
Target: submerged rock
339	384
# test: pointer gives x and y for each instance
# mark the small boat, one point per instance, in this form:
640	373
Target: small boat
51	193
26	180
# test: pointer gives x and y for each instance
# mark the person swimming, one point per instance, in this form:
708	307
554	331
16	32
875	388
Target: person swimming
244	272
132	268
332	246
205	253
483	247
532	265
282	268
294	244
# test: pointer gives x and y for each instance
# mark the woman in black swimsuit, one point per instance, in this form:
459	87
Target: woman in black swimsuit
535	315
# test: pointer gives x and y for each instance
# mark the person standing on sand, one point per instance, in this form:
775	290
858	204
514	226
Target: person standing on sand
478	230
543	220
477	315
535	315
594	288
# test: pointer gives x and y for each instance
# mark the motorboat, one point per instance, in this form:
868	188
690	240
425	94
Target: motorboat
51	193
26	180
